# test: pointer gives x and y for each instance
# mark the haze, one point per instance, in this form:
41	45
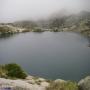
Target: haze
13	10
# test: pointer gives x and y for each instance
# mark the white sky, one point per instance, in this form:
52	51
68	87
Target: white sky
11	10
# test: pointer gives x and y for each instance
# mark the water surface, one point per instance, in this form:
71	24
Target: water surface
49	54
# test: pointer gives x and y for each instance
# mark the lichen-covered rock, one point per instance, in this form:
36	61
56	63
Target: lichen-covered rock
84	84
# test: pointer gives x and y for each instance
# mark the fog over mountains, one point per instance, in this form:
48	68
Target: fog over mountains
17	10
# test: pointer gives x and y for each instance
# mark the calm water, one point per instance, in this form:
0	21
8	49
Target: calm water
48	54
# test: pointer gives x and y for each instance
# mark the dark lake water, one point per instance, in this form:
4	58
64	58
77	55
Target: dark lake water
50	55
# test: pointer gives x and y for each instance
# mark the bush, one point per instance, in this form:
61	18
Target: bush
15	71
37	30
63	86
3	72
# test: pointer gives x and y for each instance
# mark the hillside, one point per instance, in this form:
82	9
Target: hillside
79	22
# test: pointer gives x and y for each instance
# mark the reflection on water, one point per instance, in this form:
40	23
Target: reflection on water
5	36
89	41
88	38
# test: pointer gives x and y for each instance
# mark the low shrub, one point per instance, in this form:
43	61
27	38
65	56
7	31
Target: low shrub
12	71
63	86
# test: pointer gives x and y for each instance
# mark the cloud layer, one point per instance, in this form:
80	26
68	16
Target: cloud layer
12	10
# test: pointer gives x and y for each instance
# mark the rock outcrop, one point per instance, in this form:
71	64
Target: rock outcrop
9	29
27	84
84	84
36	83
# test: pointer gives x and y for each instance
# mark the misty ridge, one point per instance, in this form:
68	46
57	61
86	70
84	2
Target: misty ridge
58	21
55	15
18	10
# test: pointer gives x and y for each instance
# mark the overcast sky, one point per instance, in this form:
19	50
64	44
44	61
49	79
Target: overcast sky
12	10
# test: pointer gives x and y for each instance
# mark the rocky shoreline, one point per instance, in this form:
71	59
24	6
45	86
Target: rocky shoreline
32	83
9	29
24	84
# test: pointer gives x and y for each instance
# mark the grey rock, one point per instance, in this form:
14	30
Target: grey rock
84	84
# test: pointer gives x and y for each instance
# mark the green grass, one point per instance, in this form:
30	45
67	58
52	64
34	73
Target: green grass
69	85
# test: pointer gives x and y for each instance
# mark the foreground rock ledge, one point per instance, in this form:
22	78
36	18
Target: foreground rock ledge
84	84
36	83
27	84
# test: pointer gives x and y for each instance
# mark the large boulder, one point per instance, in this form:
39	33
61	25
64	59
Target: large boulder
84	84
